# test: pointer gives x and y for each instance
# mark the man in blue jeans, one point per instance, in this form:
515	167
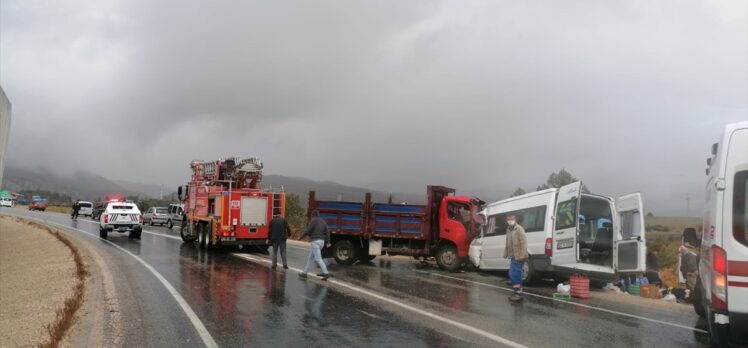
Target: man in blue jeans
320	236
516	251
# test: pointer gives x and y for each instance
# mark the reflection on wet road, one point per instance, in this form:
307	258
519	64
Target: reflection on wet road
244	303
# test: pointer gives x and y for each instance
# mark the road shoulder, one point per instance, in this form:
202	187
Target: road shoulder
38	275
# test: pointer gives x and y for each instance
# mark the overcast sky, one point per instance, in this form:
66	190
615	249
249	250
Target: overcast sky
482	96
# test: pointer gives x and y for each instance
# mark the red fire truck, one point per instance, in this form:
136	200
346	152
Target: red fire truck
224	204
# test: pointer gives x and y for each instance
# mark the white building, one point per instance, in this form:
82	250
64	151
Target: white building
4	130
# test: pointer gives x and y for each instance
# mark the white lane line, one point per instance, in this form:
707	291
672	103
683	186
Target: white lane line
194	319
425	313
569	302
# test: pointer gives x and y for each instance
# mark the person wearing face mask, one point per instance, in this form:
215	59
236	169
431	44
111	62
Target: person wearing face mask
516	251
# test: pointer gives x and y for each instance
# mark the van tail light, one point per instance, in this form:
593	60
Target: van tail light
719	278
549	247
106	218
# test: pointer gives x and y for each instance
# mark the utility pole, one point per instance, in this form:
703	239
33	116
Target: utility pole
162	192
688	204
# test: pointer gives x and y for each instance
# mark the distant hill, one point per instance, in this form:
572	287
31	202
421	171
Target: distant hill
89	186
327	190
81	185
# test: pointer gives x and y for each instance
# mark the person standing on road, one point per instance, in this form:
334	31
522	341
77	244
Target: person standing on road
689	265
76	209
320	237
516	251
279	232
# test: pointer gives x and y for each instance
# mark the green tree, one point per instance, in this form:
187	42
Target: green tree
561	178
295	214
518	192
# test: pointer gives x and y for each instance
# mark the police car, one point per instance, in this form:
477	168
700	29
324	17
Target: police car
121	217
722	287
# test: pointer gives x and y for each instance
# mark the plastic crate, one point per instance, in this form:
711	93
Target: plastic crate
561	296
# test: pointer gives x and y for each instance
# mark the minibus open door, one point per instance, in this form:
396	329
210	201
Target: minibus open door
566	226
629	246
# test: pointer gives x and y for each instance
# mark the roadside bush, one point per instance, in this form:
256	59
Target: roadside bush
658	228
669	277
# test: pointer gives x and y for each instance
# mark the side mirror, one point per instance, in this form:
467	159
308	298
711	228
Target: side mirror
709	161
179	193
715	146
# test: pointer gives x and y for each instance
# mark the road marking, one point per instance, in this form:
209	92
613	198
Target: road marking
194	319
569	302
425	313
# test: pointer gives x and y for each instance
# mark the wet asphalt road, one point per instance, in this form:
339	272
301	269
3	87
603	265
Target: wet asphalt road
387	302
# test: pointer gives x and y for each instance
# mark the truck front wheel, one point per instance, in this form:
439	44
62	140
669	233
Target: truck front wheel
446	258
344	252
187	238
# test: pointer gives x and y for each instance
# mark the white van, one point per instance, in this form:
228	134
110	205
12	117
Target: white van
567	232
722	286
86	208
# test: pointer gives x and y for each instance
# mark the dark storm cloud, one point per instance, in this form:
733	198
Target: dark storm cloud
482	96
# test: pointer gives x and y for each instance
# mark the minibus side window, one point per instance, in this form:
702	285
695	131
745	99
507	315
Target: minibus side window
740	208
496	225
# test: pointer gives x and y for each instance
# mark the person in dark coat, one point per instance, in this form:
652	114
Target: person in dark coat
279	232
76	209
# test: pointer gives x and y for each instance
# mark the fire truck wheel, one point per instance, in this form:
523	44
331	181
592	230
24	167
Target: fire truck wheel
446	258
200	236
186	237
203	232
102	233
344	252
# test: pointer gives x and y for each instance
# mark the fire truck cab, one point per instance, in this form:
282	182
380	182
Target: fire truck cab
225	205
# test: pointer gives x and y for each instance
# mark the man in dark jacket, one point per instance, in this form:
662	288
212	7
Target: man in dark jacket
279	232
320	236
76	209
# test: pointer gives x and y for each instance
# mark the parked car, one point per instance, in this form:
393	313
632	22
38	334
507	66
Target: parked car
156	215
6	202
721	291
86	208
40	205
176	214
121	217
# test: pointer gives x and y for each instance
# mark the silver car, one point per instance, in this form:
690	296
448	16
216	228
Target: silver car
156	215
176	214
